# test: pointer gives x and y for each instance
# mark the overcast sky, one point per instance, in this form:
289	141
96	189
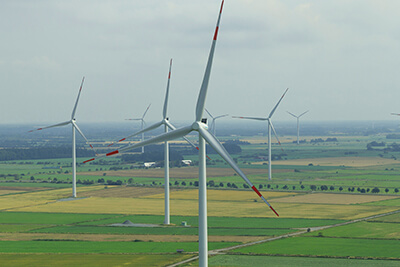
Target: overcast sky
339	59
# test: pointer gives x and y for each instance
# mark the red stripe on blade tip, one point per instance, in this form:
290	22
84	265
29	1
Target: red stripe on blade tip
256	190
112	153
216	33
274	210
89	160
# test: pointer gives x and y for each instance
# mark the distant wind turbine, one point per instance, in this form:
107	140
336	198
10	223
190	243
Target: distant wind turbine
204	136
143	123
298	123
72	121
167	124
213	121
270	126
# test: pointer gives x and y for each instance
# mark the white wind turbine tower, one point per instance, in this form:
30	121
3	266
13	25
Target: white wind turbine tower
298	123
167	124
142	124
213	121
72	121
204	135
270	126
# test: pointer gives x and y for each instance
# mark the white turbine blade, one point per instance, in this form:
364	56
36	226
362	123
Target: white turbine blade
277	104
51	126
276	136
161	138
151	127
221	116
144	114
203	89
303	113
250	118
133	119
77	99
209	114
214	143
292	114
84	137
167	92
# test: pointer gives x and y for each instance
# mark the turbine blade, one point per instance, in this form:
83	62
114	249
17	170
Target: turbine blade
144	114
167	92
84	137
218	147
250	118
277	104
303	113
395	114
209	114
203	89
276	136
221	116
133	119
51	126
291	114
161	138
151	127
77	99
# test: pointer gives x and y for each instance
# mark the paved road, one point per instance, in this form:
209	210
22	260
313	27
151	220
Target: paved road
312	229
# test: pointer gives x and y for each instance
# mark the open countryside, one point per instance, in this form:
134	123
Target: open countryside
316	202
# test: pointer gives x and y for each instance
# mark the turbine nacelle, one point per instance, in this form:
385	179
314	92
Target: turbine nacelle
197	125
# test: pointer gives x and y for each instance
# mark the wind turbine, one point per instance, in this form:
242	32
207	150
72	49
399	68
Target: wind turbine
213	120
167	124
143	123
72	121
200	126
270	126
298	123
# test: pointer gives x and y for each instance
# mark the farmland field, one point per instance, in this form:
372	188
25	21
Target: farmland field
340	247
65	259
314	186
251	261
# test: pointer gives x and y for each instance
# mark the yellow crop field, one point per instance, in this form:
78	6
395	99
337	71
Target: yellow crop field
6	192
339	161
39	198
223	195
125	192
189	207
321	198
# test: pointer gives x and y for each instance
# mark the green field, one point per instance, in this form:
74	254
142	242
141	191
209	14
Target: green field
102	247
251	261
328	247
49	218
362	230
